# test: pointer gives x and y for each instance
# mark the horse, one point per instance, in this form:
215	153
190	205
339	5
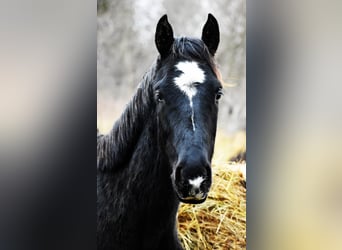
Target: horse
159	151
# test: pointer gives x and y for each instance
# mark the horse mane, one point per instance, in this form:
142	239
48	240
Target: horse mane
114	148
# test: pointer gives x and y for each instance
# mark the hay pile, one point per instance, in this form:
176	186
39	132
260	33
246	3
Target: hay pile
219	222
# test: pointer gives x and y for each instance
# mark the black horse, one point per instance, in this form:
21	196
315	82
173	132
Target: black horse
159	152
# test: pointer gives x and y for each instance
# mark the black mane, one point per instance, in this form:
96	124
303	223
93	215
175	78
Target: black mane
113	149
189	48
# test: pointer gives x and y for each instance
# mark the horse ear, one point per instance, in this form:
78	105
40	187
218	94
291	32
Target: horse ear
164	36
211	34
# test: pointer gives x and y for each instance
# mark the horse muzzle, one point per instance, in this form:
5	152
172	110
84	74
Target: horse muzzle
192	177
192	190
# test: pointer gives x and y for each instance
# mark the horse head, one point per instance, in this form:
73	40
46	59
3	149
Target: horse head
186	93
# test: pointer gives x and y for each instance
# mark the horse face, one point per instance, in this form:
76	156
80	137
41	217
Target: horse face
186	95
187	107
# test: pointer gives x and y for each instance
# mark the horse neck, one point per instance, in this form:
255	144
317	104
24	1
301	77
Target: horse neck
155	170
115	148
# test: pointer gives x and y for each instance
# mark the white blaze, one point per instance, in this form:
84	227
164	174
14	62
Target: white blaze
196	183
191	76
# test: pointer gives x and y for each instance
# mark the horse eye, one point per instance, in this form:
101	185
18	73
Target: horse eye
159	97
219	94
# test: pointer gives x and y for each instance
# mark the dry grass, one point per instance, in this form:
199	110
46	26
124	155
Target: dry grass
219	222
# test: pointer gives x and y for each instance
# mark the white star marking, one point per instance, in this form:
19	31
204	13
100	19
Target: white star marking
191	76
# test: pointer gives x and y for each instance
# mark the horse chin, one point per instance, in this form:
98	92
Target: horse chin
192	200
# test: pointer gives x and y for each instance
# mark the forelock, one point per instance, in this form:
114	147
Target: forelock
192	49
